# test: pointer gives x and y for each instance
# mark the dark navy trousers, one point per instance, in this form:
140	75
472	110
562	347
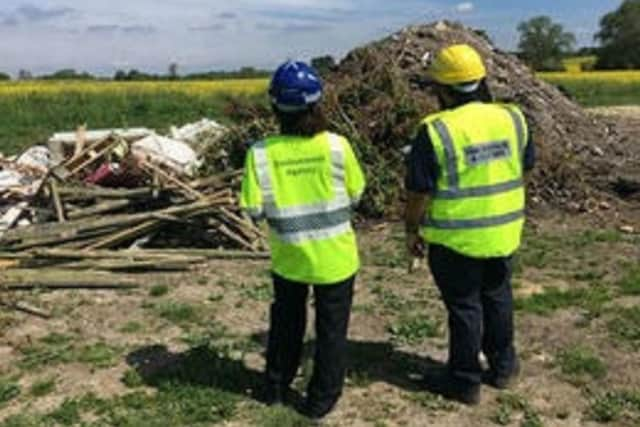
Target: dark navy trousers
286	335
479	299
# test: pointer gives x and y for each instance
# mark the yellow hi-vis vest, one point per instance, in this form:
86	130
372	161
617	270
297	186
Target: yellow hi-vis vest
478	208
305	188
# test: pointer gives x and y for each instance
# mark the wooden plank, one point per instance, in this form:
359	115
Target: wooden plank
88	193
26	279
153	169
55	230
130	255
124	236
100	208
27	308
57	203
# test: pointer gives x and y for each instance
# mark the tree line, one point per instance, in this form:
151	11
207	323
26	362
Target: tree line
138	75
544	43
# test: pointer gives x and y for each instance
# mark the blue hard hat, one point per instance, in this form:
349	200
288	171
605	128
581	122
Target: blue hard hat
295	86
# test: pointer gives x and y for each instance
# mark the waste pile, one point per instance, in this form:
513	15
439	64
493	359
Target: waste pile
376	96
86	204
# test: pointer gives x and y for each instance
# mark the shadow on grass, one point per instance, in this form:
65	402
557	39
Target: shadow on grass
382	362
217	369
371	361
204	366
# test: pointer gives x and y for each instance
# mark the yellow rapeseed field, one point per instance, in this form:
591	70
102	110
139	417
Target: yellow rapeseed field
192	88
599	88
611	77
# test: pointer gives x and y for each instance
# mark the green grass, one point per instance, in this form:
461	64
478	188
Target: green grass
158	291
9	390
280	416
592	299
57	348
629	284
625	325
180	314
132	379
33	117
388	300
131	327
202	388
412	329
581	365
99	355
431	402
509	404
615	405
43	387
260	292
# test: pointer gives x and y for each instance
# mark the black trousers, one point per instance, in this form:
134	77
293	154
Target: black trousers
479	299
287	330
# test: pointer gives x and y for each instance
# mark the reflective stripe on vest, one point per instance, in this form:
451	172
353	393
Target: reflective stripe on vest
316	221
454	192
463	224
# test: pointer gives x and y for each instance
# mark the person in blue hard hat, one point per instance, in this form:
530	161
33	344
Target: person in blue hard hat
305	182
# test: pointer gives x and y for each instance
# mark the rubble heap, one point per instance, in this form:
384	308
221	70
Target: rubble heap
377	101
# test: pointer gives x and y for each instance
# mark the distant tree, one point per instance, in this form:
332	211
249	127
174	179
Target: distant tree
4	77
619	36
120	75
24	75
173	71
68	74
324	64
543	43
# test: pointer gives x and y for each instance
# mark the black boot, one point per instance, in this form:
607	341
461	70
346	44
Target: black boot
451	388
315	411
502	381
273	395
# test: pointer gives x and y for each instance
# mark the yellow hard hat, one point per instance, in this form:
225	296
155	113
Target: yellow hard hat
457	64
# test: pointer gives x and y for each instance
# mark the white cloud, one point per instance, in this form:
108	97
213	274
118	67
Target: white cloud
465	7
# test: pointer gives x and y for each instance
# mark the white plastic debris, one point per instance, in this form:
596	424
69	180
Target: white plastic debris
191	133
37	157
175	155
10	178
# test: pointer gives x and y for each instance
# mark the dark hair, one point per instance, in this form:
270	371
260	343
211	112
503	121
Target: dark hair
309	122
482	94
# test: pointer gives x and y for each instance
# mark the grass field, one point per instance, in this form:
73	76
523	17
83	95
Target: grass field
30	112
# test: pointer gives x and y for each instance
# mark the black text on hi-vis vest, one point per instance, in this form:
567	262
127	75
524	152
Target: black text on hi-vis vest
481	154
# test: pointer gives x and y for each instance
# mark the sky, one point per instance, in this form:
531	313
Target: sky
101	36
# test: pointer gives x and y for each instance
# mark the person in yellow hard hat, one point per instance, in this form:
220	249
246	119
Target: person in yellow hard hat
466	203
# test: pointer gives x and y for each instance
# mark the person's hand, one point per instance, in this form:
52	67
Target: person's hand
415	245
